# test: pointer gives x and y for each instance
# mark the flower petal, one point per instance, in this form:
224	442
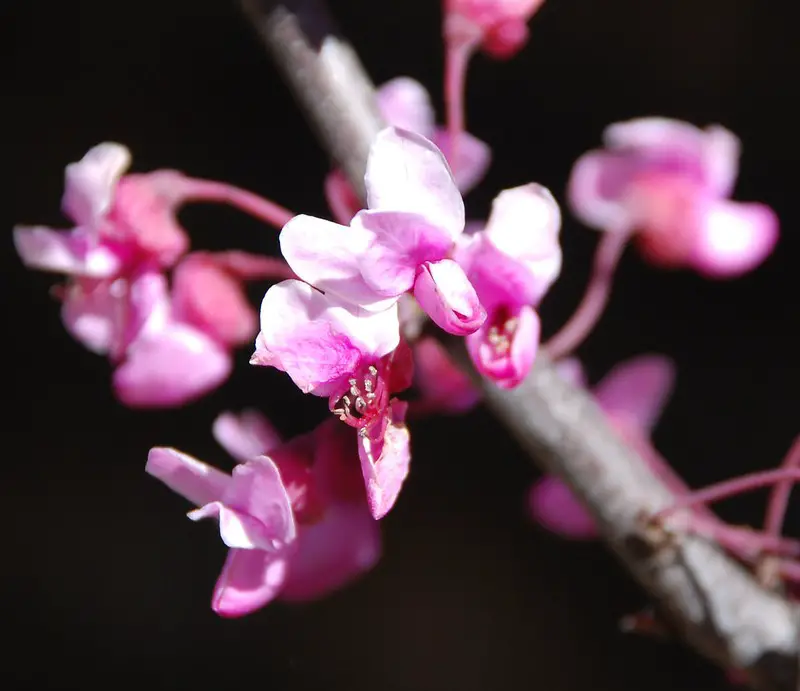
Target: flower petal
553	504
447	296
474	158
64	251
444	387
596	190
89	184
171	368
332	552
245	435
734	239
635	391
403	102
94	314
328	256
196	481
341	199
384	450
406	172
250	579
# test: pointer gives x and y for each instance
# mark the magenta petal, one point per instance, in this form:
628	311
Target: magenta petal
406	172
170	368
447	296
237	528
192	479
384	450
329	257
403	102
332	552
474	157
635	391
734	238
245	435
250	579
89	184
64	251
553	504
596	190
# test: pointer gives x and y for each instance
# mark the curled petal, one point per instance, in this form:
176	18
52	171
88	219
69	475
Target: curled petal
734	239
406	172
329	257
635	391
596	190
505	348
332	552
553	504
250	579
90	183
246	435
384	450
474	158
171	368
192	479
446	294
721	152
403	102
68	252
255	512
399	243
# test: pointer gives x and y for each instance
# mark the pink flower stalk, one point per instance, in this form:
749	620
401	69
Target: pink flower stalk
402	243
498	26
403	102
669	182
293	515
633	395
512	263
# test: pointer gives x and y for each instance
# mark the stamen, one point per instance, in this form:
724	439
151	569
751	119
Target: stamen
365	398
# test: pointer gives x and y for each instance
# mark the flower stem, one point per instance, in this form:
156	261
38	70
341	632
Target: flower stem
729	488
779	497
212	191
584	319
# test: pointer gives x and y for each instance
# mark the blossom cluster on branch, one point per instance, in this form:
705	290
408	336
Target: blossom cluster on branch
348	315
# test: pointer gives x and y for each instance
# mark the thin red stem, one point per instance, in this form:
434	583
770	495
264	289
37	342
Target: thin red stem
213	191
779	497
729	488
606	259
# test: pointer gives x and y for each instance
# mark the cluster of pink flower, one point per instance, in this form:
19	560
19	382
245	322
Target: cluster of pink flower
343	322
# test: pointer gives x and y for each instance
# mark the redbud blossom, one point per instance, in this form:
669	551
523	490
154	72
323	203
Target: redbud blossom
401	243
669	182
512	263
294	518
633	395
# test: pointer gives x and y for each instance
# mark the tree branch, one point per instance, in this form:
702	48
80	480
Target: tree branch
711	601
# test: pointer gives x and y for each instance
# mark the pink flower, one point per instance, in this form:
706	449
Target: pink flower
443	387
403	102
402	243
293	516
500	26
632	395
670	182
512	263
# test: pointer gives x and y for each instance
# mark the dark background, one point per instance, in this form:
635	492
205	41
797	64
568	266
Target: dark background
107	584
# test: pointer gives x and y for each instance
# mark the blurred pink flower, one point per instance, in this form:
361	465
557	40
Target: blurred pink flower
632	395
669	182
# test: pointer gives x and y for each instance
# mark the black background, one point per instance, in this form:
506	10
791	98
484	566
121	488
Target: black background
107	585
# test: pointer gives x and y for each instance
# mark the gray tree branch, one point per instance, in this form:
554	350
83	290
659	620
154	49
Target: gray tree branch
716	606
